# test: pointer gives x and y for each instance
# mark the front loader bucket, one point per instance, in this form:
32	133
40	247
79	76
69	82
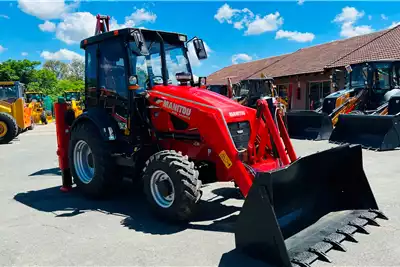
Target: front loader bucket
294	216
376	132
307	124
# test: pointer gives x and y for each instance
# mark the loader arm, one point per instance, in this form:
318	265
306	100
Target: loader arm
213	129
348	106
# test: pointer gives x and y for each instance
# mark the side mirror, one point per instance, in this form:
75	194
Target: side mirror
140	42
202	81
200	49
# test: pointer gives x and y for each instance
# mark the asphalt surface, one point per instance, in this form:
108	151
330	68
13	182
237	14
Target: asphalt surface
39	225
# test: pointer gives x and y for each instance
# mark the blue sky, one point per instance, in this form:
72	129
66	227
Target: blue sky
234	31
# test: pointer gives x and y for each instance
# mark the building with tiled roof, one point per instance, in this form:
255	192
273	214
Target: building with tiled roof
308	70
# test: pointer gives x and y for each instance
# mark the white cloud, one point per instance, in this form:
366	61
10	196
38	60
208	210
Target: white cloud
47	26
225	14
348	30
140	16
295	36
245	19
300	2
24	54
75	27
394	24
45	9
384	17
270	22
194	61
62	54
80	25
2	49
4	16
349	14
347	18
241	57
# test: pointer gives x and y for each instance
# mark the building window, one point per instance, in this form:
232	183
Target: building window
282	90
317	92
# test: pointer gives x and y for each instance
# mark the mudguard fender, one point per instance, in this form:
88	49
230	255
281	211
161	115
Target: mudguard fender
107	126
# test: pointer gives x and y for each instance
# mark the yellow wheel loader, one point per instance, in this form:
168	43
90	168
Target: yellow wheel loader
15	115
248	91
359	96
36	102
73	99
376	125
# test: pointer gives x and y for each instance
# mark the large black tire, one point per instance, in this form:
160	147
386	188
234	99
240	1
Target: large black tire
32	126
106	175
11	128
185	183
43	118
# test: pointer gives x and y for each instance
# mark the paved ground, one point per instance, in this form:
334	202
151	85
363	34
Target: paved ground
40	225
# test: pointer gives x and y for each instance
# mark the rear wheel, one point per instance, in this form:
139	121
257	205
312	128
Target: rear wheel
8	128
94	171
171	185
43	118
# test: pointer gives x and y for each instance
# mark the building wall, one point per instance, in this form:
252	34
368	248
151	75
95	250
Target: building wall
301	100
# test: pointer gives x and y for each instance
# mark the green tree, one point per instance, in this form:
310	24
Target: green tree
60	68
7	73
44	81
76	70
65	85
18	70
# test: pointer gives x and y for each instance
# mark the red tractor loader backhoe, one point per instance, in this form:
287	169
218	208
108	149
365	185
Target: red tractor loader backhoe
161	130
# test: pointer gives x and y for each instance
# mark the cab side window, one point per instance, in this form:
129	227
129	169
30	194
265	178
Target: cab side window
112	67
91	75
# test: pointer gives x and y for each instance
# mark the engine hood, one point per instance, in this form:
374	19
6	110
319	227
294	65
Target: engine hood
231	109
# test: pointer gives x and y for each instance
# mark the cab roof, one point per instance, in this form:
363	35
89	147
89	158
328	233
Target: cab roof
171	37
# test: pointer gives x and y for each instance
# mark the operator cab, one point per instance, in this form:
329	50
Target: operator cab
122	64
11	91
69	96
254	89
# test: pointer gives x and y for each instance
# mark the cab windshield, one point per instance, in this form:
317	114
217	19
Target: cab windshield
150	66
382	76
72	95
357	77
34	96
9	92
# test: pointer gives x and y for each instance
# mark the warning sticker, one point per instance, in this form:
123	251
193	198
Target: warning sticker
225	159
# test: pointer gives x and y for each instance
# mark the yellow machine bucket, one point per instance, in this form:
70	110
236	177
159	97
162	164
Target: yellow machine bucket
294	216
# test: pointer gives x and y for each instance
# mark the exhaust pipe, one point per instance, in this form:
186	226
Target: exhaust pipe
295	215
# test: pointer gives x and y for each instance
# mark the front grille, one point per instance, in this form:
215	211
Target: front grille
240	132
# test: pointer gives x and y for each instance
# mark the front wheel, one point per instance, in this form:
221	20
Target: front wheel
171	185
8	128
90	159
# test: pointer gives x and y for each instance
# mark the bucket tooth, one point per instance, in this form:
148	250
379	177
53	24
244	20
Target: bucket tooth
360	225
320	249
370	217
380	214
304	259
348	231
335	239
